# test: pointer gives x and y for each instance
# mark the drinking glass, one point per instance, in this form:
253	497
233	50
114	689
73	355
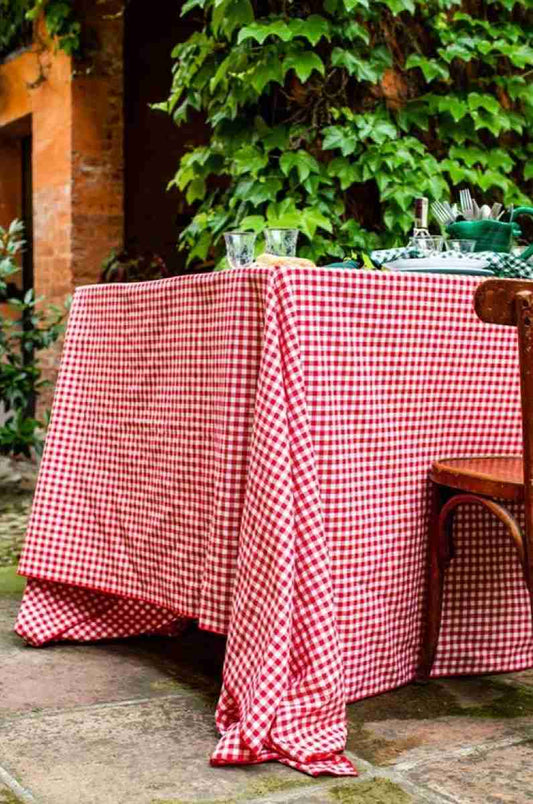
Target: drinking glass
463	246
240	248
281	242
425	243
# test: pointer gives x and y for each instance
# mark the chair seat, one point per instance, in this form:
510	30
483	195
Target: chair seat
500	477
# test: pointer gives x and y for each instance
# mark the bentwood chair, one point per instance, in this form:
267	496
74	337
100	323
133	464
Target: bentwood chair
487	481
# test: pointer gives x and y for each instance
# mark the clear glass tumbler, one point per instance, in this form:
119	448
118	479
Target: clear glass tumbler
281	242
463	246
240	248
426	244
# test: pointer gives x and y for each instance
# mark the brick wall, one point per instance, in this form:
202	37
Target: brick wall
97	143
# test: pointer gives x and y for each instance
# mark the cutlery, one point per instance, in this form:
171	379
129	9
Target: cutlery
442	212
466	204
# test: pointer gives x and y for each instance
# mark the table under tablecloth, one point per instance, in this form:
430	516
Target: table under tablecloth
250	449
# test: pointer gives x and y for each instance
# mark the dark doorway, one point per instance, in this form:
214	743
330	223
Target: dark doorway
27	212
152	142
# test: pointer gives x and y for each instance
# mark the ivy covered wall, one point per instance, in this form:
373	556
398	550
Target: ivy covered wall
332	115
17	18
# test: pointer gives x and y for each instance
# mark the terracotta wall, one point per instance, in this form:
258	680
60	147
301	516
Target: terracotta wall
74	112
25	95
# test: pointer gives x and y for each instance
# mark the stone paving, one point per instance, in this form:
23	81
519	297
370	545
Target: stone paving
132	722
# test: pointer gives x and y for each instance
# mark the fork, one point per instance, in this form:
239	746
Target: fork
440	213
444	213
467	207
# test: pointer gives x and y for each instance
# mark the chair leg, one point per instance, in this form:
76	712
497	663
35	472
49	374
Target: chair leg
440	555
445	501
528	560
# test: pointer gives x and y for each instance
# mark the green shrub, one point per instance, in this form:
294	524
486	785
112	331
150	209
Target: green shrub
25	332
333	115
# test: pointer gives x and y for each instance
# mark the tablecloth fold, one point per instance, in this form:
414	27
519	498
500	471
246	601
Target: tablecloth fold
283	695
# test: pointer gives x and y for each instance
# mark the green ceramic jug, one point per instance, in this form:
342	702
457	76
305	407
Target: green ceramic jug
491	235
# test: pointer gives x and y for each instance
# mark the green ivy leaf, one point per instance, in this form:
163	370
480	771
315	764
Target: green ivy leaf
254	222
430	68
490	178
249	160
190	5
313	28
266	190
260	31
488	102
457	107
353	30
351	5
341	138
283	213
312	219
267	69
347	172
302	161
397	6
196	191
303	63
275	138
231	14
362	67
456	51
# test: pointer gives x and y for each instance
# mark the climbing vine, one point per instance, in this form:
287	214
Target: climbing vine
17	18
333	115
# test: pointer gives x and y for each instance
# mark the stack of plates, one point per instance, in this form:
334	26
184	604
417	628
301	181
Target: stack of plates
447	263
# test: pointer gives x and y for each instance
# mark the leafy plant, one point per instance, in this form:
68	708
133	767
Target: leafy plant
25	331
333	115
11	244
130	266
17	16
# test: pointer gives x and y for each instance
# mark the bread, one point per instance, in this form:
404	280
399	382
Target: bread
291	262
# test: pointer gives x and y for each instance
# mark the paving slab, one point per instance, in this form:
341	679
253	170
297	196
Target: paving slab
151	752
416	723
483	776
524	677
359	791
64	675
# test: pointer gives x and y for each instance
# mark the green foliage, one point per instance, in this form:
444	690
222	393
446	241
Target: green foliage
15	29
334	115
11	245
25	331
17	16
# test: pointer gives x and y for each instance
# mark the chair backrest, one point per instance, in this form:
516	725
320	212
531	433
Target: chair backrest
510	302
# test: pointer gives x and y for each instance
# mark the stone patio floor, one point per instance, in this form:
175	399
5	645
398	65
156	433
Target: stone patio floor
132	722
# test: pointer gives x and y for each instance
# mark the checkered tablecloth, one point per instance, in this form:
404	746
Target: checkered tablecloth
251	449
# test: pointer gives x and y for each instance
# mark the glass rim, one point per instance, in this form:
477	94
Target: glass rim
281	229
240	232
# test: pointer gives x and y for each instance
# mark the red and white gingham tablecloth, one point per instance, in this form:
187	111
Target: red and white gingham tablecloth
251	449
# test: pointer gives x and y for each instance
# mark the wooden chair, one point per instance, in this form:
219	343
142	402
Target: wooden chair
487	481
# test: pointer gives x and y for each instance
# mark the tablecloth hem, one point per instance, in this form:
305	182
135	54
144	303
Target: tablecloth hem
203	624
